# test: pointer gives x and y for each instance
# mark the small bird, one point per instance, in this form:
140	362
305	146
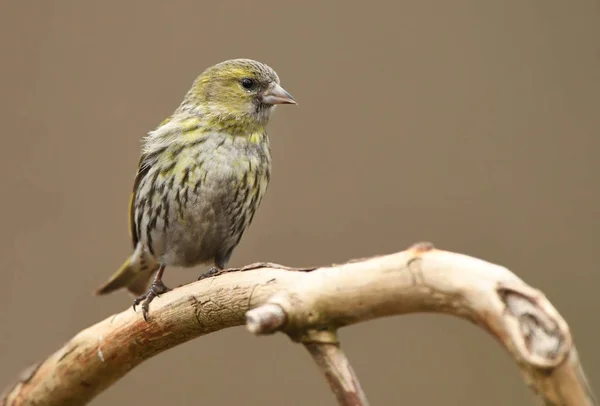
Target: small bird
202	174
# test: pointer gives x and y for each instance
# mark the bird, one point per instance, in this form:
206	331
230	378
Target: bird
201	176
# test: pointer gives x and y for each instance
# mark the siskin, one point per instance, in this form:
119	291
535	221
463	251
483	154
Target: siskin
201	177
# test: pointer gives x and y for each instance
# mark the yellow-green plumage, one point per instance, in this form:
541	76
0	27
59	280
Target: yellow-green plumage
202	175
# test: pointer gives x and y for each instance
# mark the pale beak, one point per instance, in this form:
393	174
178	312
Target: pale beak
276	94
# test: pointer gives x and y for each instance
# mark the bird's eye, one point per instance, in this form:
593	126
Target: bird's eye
248	83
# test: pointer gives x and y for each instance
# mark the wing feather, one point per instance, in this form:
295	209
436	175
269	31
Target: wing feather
143	169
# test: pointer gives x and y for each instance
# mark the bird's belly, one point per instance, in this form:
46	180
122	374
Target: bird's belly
194	236
204	223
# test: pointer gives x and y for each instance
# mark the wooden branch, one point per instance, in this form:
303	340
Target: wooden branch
322	345
309	307
341	377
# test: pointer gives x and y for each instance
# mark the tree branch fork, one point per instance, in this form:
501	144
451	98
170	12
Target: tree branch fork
310	305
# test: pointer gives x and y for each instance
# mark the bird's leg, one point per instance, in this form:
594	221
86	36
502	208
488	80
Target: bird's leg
157	288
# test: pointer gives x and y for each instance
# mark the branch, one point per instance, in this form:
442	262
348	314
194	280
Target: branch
341	377
310	306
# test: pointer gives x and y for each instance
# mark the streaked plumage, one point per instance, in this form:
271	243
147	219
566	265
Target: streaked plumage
201	176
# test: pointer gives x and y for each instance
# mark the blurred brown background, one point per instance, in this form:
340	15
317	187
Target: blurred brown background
475	126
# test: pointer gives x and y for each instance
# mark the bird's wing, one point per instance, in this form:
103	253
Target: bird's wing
147	159
143	168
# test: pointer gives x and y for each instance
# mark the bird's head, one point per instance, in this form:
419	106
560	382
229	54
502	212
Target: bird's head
240	91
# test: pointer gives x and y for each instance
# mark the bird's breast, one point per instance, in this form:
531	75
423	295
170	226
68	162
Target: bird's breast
230	176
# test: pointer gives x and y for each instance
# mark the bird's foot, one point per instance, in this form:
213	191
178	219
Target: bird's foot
156	289
213	270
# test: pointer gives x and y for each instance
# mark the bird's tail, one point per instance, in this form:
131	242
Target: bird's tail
134	274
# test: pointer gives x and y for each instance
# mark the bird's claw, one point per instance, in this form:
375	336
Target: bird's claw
212	271
156	289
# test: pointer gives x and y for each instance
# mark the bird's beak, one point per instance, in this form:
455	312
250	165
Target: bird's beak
276	94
